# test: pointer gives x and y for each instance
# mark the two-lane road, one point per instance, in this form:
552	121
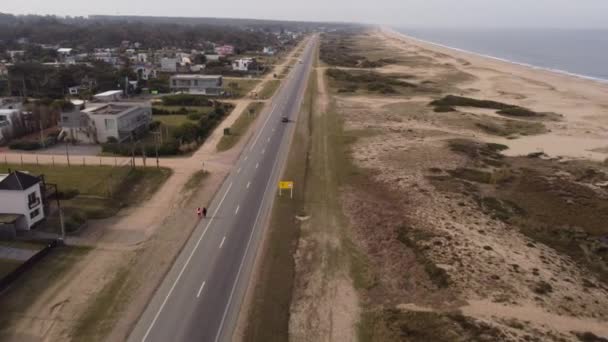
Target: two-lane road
200	298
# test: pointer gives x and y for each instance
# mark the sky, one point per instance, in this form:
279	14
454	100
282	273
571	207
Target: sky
403	13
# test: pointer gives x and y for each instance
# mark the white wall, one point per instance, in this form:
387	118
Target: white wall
15	202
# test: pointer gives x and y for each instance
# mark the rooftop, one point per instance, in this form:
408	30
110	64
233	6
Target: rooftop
110	109
109	93
195	76
17	180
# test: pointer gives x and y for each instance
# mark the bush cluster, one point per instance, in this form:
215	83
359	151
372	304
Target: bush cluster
451	101
373	81
162	111
187	100
24	145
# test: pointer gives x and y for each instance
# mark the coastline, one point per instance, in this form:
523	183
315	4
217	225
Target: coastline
581	132
500	59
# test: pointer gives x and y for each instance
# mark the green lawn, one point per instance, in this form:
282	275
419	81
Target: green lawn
269	89
22	245
7	266
241	87
102	190
171	120
190	109
240	126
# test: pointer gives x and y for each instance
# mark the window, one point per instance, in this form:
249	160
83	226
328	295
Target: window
110	124
32	200
34	214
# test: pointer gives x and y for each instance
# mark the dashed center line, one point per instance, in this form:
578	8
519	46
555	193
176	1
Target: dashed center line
200	290
237	209
245	158
268	139
256	165
248	184
222	243
239	170
263	151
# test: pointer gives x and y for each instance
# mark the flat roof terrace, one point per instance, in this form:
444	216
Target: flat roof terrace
110	109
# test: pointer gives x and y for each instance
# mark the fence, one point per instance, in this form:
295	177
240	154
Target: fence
7	280
75	160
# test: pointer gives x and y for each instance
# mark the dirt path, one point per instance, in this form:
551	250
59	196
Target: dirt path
143	239
325	305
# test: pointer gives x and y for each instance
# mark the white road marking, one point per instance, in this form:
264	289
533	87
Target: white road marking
263	151
238	274
222	243
200	290
256	165
268	140
264	126
239	170
237	209
181	272
245	158
248	184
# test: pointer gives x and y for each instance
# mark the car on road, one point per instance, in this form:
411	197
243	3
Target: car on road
284	119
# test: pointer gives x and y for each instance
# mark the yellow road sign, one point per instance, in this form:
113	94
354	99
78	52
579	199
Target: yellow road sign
286	185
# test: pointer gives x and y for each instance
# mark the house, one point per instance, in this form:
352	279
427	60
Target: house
224	50
99	123
109	96
21	200
64	52
7	119
168	64
16	54
268	50
212	57
244	64
142	57
145	71
197	84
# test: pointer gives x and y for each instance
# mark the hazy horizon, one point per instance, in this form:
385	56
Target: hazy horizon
413	13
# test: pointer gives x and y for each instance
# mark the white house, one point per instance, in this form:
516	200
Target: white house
21	202
268	50
197	84
100	122
169	64
7	120
243	64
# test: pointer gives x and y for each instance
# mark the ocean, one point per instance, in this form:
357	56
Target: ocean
583	53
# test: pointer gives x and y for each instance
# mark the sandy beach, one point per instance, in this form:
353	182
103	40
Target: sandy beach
581	133
475	222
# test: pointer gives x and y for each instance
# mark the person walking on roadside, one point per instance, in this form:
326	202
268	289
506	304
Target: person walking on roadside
204	212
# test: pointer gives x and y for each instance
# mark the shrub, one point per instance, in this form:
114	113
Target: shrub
542	287
194	116
154	125
67	194
25	145
112	140
186	132
503	108
187	100
444	109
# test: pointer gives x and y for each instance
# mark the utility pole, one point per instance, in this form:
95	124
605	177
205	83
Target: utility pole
132	151
156	148
67	153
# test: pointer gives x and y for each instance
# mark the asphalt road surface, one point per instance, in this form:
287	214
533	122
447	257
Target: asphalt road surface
200	298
